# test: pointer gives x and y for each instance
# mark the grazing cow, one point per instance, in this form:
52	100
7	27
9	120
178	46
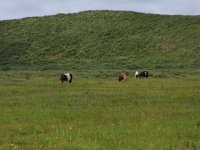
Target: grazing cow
122	76
66	77
143	74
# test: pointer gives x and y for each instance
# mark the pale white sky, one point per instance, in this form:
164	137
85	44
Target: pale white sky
14	9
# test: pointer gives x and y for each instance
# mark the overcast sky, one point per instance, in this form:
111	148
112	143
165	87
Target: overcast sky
14	9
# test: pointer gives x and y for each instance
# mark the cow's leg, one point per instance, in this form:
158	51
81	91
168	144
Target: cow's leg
70	81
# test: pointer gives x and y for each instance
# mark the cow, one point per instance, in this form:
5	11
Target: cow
143	74
66	77
122	76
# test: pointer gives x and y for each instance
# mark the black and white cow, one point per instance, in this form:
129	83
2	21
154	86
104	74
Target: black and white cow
143	74
66	77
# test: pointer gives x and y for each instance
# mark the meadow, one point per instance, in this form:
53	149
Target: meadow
94	112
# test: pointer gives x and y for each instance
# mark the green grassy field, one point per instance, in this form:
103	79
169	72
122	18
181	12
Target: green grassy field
37	112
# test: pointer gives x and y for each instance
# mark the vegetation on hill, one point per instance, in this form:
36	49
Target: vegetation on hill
101	39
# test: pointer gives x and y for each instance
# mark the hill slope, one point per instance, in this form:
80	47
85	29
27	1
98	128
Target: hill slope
101	39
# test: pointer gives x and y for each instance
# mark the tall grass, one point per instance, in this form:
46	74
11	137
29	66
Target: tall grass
95	113
101	39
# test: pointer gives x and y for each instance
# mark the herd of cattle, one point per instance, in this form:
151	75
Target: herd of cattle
122	76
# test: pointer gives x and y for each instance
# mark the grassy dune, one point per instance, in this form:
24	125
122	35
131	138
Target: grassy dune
100	40
37	112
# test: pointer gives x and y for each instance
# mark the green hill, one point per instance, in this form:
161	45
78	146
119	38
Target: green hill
101	39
